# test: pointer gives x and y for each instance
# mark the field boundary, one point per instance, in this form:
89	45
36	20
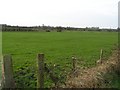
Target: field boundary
94	77
86	78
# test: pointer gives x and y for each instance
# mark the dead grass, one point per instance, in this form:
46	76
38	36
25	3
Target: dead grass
94	77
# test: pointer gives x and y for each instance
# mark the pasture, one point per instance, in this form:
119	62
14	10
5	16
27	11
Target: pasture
58	48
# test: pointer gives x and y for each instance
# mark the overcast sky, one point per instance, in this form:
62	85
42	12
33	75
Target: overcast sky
74	13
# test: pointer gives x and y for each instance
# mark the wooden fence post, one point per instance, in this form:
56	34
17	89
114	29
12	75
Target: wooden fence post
8	80
40	82
101	54
74	63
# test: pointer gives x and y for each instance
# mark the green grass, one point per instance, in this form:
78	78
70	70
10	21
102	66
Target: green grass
0	54
57	47
115	81
112	80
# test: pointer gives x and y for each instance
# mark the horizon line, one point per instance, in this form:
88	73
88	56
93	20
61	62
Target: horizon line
62	26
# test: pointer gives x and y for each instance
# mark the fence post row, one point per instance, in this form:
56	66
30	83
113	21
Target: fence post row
7	72
40	82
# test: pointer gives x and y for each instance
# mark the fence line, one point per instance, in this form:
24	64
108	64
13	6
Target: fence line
7	71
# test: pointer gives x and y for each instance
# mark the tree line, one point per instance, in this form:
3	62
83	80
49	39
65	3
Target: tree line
45	28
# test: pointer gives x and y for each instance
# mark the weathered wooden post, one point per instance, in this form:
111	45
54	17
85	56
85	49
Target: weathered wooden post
8	80
100	61
101	54
73	63
40	82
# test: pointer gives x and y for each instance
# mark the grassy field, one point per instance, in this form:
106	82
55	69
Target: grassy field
58	48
